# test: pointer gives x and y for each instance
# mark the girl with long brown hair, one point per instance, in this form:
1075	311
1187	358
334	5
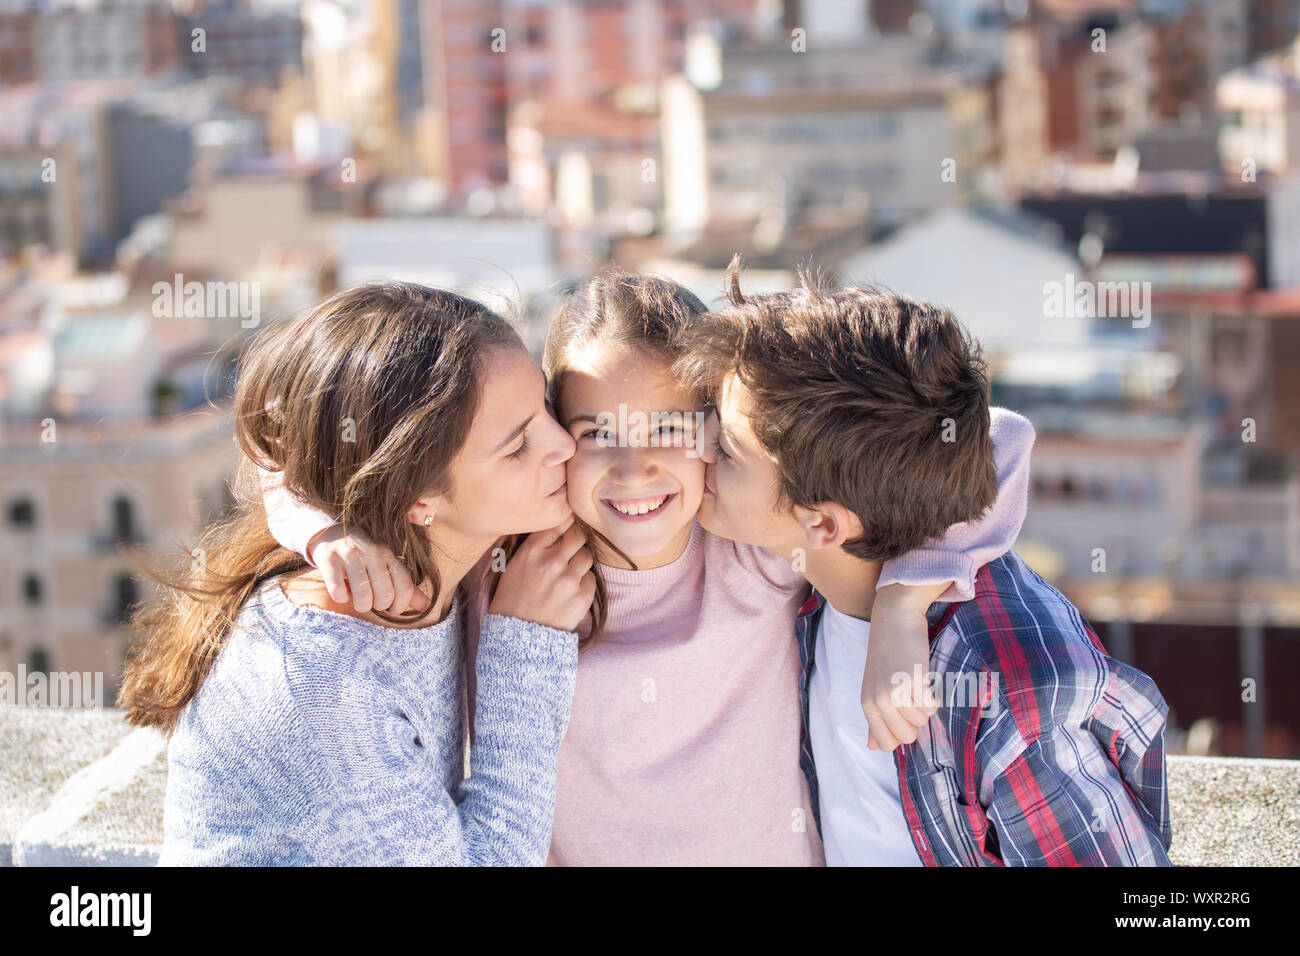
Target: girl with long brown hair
307	731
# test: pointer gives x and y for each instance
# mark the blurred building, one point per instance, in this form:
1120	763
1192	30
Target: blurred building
106	441
232	39
1056	95
509	264
72	497
17	46
770	133
1261	115
583	83
84	161
111	39
236	222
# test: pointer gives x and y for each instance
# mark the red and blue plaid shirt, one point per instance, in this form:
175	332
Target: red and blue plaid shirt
1058	756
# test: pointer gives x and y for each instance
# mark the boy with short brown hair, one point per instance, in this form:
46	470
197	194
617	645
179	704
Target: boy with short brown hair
852	426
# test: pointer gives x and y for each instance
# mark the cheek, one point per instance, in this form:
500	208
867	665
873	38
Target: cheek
735	492
582	471
691	474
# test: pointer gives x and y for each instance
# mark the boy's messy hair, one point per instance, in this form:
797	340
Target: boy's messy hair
862	397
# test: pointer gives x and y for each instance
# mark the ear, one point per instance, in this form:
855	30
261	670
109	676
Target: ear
424	508
828	525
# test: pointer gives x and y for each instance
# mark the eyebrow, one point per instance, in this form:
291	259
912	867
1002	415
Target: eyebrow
589	417
514	434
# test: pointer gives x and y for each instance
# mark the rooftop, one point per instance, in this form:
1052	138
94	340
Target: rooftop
82	788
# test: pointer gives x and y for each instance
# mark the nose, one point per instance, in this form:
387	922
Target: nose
632	464
561	445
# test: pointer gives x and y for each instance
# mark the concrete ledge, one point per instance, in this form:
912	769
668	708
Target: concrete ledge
82	788
1229	811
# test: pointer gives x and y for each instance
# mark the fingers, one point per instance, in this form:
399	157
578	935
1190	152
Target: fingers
359	581
587	588
550	536
407	597
878	732
382	589
581	561
900	730
335	576
879	726
570	542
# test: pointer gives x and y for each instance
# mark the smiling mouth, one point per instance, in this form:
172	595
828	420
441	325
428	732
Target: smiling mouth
634	508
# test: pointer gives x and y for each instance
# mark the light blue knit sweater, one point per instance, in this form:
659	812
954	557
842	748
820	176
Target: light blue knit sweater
323	739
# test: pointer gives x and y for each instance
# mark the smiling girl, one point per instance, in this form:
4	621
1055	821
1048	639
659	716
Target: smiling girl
683	743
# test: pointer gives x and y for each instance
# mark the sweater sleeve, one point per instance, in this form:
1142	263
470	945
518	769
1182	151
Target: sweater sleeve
293	522
968	546
386	805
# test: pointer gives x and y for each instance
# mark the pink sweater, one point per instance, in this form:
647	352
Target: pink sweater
683	744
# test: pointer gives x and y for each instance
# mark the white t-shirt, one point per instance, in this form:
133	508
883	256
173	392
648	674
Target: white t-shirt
861	813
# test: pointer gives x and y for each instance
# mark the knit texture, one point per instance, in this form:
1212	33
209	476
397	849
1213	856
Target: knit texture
321	739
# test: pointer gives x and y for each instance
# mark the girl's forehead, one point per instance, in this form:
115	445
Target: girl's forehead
607	369
601	357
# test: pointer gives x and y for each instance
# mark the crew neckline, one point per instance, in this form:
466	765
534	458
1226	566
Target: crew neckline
656	576
279	607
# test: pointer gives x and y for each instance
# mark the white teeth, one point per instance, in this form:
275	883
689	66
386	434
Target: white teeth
642	508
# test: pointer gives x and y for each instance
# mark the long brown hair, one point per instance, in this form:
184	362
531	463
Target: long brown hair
619	309
362	404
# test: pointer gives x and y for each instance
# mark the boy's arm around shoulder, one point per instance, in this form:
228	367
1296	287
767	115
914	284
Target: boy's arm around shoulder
955	558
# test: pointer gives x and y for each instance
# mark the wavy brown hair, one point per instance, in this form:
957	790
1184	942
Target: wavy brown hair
622	310
863	397
362	404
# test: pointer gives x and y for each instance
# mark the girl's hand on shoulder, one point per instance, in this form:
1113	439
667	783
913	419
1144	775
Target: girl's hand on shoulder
549	580
897	696
366	575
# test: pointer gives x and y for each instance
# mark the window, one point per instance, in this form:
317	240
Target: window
126	593
33	589
123	520
38	660
22	513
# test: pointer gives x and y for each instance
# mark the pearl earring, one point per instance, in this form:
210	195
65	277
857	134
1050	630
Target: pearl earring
428	520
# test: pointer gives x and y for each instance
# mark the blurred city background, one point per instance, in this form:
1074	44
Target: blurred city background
1106	193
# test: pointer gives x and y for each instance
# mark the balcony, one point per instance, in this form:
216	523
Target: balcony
82	788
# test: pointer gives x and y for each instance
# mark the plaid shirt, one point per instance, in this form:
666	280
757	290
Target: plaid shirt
1057	756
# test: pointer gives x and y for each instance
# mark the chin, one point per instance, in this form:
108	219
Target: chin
632	544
